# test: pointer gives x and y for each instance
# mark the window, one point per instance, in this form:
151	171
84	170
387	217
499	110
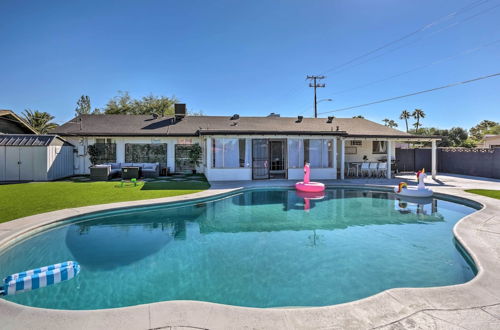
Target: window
379	147
319	153
295	153
106	150
356	142
230	153
146	153
108	140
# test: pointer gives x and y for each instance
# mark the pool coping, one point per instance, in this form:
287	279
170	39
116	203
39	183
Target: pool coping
478	233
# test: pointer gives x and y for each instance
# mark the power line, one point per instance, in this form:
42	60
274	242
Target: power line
415	93
421	29
468	51
369	59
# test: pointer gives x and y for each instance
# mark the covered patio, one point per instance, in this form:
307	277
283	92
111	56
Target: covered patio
375	157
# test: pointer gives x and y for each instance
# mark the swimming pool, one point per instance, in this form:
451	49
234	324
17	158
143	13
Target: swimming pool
258	248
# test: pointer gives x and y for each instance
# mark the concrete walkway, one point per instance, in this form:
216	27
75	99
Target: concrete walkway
472	305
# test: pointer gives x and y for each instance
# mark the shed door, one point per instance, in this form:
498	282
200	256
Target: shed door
11	164
26	164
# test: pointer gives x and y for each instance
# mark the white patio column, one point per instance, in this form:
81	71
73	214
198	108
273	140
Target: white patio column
334	158
342	159
120	151
434	160
208	150
389	156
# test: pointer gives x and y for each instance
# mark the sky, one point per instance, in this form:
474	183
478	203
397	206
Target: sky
252	57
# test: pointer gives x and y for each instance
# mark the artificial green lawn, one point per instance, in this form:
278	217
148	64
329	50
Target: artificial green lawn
487	193
20	200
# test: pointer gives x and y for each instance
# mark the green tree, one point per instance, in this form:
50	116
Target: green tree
124	104
405	115
418	114
40	121
358	116
457	136
83	105
484	127
392	124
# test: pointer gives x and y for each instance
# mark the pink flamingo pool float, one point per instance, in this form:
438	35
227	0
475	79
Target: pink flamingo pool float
308	186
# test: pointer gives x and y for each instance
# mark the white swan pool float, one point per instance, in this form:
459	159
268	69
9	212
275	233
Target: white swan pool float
420	191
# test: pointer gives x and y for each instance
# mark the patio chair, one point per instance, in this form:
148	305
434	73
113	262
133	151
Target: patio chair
351	169
365	169
382	169
373	169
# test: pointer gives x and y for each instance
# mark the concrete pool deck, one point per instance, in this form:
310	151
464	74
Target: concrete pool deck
472	305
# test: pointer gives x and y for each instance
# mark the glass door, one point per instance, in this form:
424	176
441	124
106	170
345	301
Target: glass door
260	159
278	159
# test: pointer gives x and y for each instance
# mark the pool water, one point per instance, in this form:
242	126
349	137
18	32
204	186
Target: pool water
258	248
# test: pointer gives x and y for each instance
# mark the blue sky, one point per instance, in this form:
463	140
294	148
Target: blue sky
251	57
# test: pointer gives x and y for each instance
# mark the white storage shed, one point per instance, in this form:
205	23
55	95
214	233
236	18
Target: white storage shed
26	157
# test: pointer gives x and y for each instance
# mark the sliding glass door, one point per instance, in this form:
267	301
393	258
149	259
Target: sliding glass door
269	159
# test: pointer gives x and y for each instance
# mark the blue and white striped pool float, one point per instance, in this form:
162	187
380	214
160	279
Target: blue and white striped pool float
39	277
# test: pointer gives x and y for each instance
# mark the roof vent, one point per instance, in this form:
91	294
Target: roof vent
338	129
180	111
330	119
272	114
235	117
299	119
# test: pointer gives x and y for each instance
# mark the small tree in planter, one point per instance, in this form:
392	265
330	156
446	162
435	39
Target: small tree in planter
94	154
195	155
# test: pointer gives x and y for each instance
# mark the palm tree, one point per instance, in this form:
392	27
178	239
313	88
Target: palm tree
405	115
40	121
417	114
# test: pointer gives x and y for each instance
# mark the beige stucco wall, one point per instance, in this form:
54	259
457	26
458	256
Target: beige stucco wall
491	141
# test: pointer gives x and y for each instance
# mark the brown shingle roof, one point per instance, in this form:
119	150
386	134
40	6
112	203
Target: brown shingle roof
145	125
18	120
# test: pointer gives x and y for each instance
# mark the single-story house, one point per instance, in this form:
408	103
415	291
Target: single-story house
491	141
10	123
236	147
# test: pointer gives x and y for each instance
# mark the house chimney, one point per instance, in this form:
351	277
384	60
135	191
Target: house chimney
180	111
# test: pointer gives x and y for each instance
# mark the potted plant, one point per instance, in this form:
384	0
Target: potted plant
195	155
94	154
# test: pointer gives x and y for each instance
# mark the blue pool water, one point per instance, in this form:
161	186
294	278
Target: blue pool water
260	248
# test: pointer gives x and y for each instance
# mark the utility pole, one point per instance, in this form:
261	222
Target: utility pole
315	84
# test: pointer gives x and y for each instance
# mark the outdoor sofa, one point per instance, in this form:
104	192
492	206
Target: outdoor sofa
109	170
